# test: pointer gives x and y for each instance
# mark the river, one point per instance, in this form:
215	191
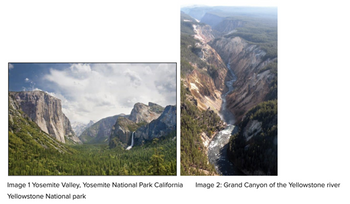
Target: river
217	150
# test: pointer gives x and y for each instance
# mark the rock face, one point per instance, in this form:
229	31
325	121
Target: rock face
23	128
247	62
144	113
165	124
99	131
46	111
121	132
147	122
206	84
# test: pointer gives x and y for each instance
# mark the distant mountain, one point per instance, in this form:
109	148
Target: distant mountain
46	111
99	131
80	127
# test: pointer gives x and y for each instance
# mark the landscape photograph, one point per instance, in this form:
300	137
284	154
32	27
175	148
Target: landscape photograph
228	90
92	119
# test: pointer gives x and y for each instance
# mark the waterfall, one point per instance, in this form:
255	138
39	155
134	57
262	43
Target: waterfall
132	141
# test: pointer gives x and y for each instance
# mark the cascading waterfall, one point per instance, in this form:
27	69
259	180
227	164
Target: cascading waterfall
132	141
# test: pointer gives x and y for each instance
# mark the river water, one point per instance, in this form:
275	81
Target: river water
217	150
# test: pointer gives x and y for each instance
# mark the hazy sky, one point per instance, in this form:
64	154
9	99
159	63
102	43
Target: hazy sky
94	91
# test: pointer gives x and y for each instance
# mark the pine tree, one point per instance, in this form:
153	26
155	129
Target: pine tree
157	160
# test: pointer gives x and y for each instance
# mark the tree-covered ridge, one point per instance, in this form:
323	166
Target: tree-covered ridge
254	148
272	67
261	32
186	24
194	160
190	59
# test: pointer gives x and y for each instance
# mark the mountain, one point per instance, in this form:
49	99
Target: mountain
147	121
121	133
163	125
145	113
25	133
46	111
212	19
99	131
80	127
27	142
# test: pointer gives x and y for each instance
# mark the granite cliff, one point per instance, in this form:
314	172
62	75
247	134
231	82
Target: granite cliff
165	124
145	113
46	111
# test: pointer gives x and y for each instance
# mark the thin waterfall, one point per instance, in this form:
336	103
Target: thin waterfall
132	141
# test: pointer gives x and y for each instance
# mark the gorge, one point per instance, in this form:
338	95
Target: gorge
236	47
218	146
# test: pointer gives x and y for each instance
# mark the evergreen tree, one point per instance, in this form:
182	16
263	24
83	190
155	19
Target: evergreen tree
157	160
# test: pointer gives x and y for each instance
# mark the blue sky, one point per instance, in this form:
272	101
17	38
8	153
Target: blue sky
94	91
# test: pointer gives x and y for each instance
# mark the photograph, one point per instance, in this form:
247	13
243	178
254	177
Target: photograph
92	119
228	90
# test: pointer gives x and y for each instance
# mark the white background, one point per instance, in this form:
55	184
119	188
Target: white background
313	89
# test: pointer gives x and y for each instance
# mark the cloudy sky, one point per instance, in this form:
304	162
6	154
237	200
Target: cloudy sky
94	91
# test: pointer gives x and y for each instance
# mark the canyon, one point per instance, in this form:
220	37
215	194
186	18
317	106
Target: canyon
240	51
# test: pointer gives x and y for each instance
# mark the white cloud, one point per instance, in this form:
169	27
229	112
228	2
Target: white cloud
133	76
11	66
31	85
94	91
